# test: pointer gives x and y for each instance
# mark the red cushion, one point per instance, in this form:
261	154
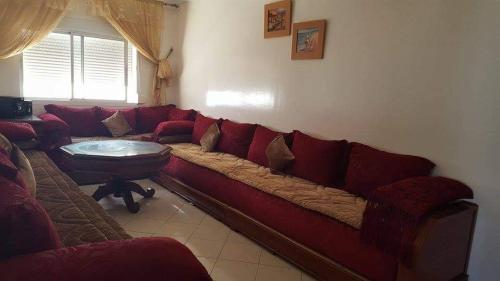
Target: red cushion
53	123
171	128
320	161
318	232
149	117
370	168
17	131
26	227
235	138
201	125
129	114
261	139
7	168
83	122
176	114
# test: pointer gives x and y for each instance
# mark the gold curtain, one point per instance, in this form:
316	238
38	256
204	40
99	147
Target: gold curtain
23	23
141	22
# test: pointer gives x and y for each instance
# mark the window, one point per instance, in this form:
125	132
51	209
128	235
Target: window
72	66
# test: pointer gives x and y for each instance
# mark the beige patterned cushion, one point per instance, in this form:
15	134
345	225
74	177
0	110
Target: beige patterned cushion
5	144
210	138
117	125
24	169
278	154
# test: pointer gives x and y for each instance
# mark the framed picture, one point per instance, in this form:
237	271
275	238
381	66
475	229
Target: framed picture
308	40
277	19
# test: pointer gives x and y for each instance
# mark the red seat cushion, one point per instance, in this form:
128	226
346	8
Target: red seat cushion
370	168
261	139
201	125
235	138
129	114
7	168
149	117
17	131
318	232
25	226
320	161
83	122
172	128
176	114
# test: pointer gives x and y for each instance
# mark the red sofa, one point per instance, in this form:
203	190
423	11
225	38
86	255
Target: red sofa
63	234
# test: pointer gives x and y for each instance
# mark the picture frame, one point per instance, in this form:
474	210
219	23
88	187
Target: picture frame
308	40
277	19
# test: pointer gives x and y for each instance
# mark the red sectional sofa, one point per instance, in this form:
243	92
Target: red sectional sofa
415	227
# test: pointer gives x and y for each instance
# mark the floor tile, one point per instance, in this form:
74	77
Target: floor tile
234	271
271	273
307	277
205	248
188	214
267	258
136	234
235	237
241	252
207	263
173	229
215	232
144	225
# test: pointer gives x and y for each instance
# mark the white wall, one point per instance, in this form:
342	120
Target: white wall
417	77
80	20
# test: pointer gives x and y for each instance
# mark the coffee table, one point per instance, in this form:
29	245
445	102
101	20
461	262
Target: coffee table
120	161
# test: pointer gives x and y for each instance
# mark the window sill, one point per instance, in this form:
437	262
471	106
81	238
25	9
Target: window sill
80	102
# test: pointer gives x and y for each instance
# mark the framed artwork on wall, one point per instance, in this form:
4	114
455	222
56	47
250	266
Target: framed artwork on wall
308	40
277	19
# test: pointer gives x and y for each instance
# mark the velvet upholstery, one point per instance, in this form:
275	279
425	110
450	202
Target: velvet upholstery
7	168
152	259
171	128
53	123
25	226
130	115
319	161
235	138
370	168
201	125
17	131
322	234
176	114
83	122
149	117
261	139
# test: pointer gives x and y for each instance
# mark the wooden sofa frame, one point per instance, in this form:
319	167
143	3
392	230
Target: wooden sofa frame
442	247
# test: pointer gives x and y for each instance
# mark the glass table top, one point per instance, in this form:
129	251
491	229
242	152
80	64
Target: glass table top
115	148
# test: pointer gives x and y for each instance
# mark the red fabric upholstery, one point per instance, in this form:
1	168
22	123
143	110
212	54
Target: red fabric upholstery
149	117
314	230
235	138
129	114
172	128
395	211
370	168
25	226
261	139
201	125
17	131
83	122
7	168
152	259
176	114
53	123
319	161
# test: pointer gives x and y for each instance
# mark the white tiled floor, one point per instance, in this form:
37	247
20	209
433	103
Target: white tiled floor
227	255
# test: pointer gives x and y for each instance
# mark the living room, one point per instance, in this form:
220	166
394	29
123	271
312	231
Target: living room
250	139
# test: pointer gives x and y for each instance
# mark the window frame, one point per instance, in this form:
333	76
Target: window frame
72	98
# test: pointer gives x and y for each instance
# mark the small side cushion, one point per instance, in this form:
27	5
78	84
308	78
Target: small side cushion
261	139
148	118
279	155
201	125
172	128
370	168
130	115
117	125
17	131
83	122
319	161
26	227
235	138
176	114
210	138
53	123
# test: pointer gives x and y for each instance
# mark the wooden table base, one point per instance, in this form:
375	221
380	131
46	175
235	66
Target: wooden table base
123	188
